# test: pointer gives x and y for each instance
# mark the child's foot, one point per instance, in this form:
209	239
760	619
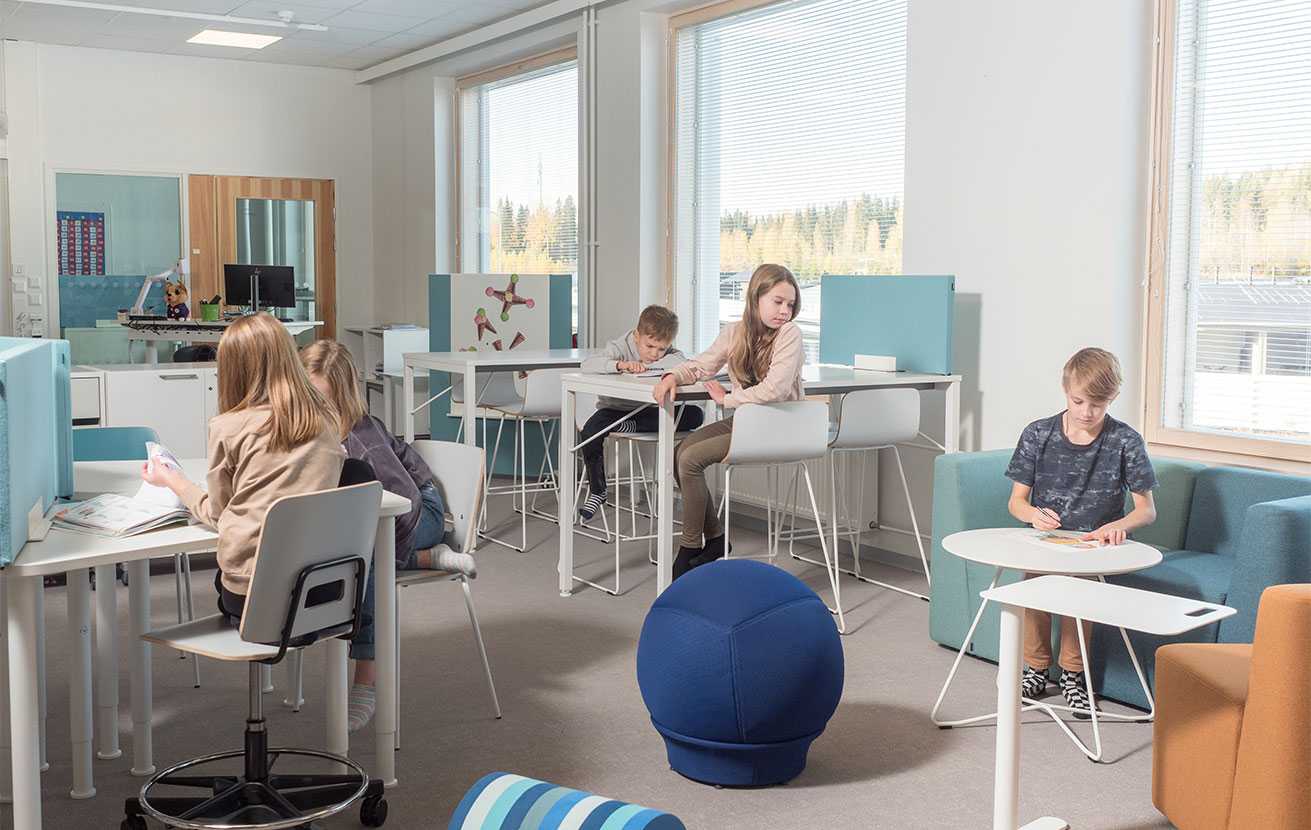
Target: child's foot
1074	687
442	558
1033	682
713	550
683	561
363	702
590	505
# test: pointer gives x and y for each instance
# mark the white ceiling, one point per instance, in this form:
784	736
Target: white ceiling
360	33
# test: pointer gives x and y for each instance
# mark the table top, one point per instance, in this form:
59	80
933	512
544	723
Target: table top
139	329
63	550
514	360
1115	605
1016	548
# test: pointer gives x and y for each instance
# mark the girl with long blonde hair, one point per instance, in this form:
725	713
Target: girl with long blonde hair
270	439
764	356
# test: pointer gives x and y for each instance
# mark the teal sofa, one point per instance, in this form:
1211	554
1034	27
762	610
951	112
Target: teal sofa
1227	533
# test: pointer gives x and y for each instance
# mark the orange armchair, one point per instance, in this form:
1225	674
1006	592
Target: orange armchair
1231	746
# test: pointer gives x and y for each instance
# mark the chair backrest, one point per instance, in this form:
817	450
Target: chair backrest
1221	497
878	418
495	389
327	530
778	433
460	480
542	392
112	443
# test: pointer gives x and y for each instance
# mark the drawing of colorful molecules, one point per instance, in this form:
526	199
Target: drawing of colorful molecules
509	298
484	325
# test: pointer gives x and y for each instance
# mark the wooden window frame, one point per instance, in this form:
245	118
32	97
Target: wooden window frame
1206	445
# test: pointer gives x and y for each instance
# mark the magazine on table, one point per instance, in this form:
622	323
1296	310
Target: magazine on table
113	514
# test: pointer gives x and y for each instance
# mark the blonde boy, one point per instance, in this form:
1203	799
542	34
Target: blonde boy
1071	471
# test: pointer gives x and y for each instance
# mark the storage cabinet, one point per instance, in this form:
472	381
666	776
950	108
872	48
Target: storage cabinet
176	402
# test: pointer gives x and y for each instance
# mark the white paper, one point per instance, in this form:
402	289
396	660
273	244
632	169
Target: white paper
152	494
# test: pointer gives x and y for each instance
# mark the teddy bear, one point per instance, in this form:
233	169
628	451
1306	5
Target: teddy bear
175	294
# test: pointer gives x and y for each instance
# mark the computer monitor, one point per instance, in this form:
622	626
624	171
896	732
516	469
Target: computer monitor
277	285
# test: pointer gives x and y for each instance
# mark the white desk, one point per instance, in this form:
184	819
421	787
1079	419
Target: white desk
73	554
1113	605
1007	549
818	380
468	365
191	331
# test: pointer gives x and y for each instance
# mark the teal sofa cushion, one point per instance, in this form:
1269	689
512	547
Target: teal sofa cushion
1221	497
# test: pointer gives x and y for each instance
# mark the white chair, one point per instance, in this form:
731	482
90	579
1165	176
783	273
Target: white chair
460	479
868	421
541	404
307	585
773	436
494	389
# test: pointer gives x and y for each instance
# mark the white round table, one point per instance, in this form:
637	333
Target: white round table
1018	549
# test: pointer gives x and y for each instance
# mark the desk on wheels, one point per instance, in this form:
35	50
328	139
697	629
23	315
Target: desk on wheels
74	554
1098	602
818	380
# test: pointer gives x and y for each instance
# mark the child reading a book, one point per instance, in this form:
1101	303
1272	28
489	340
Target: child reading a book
269	440
1071	471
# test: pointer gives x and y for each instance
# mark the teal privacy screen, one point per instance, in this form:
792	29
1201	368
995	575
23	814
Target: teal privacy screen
908	317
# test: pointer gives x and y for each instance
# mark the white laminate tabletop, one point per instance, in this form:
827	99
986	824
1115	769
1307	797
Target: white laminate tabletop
1108	604
500	361
1014	548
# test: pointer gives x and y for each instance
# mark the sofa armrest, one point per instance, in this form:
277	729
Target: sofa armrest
1274	549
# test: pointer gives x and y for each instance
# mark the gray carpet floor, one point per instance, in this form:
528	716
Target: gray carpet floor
574	716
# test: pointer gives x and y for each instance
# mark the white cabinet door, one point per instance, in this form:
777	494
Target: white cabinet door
210	377
170	401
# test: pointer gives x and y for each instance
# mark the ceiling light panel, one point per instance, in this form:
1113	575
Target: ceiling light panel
239	40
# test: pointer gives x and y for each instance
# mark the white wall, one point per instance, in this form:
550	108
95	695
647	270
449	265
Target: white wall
102	110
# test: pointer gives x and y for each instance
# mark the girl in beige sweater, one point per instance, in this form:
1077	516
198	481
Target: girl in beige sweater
764	357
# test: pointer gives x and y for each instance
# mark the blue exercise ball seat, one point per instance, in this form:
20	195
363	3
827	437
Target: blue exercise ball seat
741	667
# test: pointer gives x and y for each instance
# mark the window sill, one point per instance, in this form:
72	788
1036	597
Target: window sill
1229	459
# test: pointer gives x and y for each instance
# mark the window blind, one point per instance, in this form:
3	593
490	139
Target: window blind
790	124
1238	267
519	174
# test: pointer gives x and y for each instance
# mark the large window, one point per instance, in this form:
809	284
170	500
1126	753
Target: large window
519	170
789	147
1230	312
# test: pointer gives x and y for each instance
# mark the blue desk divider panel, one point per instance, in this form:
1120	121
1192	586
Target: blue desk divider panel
84	300
908	317
454	305
36	434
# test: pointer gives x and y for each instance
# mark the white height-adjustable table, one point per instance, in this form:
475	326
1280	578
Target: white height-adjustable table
192	331
817	379
1099	602
468	365
74	554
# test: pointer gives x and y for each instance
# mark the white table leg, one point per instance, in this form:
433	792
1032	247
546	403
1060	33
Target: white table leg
41	687
107	661
389	404
336	686
567	471
665	497
951	417
24	700
6	745
407	397
138	593
1006	775
384	627
79	681
471	406
152	352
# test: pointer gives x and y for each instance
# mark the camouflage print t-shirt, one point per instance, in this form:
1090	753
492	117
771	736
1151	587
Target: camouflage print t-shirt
1083	483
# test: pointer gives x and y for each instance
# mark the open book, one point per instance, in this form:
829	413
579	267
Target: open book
112	514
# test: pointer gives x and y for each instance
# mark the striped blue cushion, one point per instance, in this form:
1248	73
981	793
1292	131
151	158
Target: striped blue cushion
504	801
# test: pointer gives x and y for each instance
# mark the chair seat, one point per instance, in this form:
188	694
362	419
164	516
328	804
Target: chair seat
515	409
212	637
646	437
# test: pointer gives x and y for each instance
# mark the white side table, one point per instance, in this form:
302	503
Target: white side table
1082	599
1014	549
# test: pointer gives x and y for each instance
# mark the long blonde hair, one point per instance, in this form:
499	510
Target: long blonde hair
753	345
331	361
257	366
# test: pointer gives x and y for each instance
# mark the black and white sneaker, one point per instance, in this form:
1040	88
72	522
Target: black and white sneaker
1074	688
1033	682
590	505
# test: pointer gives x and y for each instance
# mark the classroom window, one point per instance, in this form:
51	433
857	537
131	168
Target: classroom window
519	170
788	147
1230	309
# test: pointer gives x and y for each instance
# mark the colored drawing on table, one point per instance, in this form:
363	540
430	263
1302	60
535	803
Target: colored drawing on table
1063	540
509	297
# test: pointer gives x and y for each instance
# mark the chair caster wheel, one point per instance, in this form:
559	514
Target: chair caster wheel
373	812
133	823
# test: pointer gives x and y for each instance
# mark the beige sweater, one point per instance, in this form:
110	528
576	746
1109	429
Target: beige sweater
781	383
245	477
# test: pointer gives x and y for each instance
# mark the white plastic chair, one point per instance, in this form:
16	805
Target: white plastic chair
869	420
460	480
773	436
541	404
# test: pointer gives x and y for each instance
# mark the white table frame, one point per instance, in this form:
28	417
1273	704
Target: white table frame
817	380
190	331
75	554
1059	563
1099	602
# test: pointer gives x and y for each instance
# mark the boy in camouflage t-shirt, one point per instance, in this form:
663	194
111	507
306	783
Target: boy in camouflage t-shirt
1071	471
